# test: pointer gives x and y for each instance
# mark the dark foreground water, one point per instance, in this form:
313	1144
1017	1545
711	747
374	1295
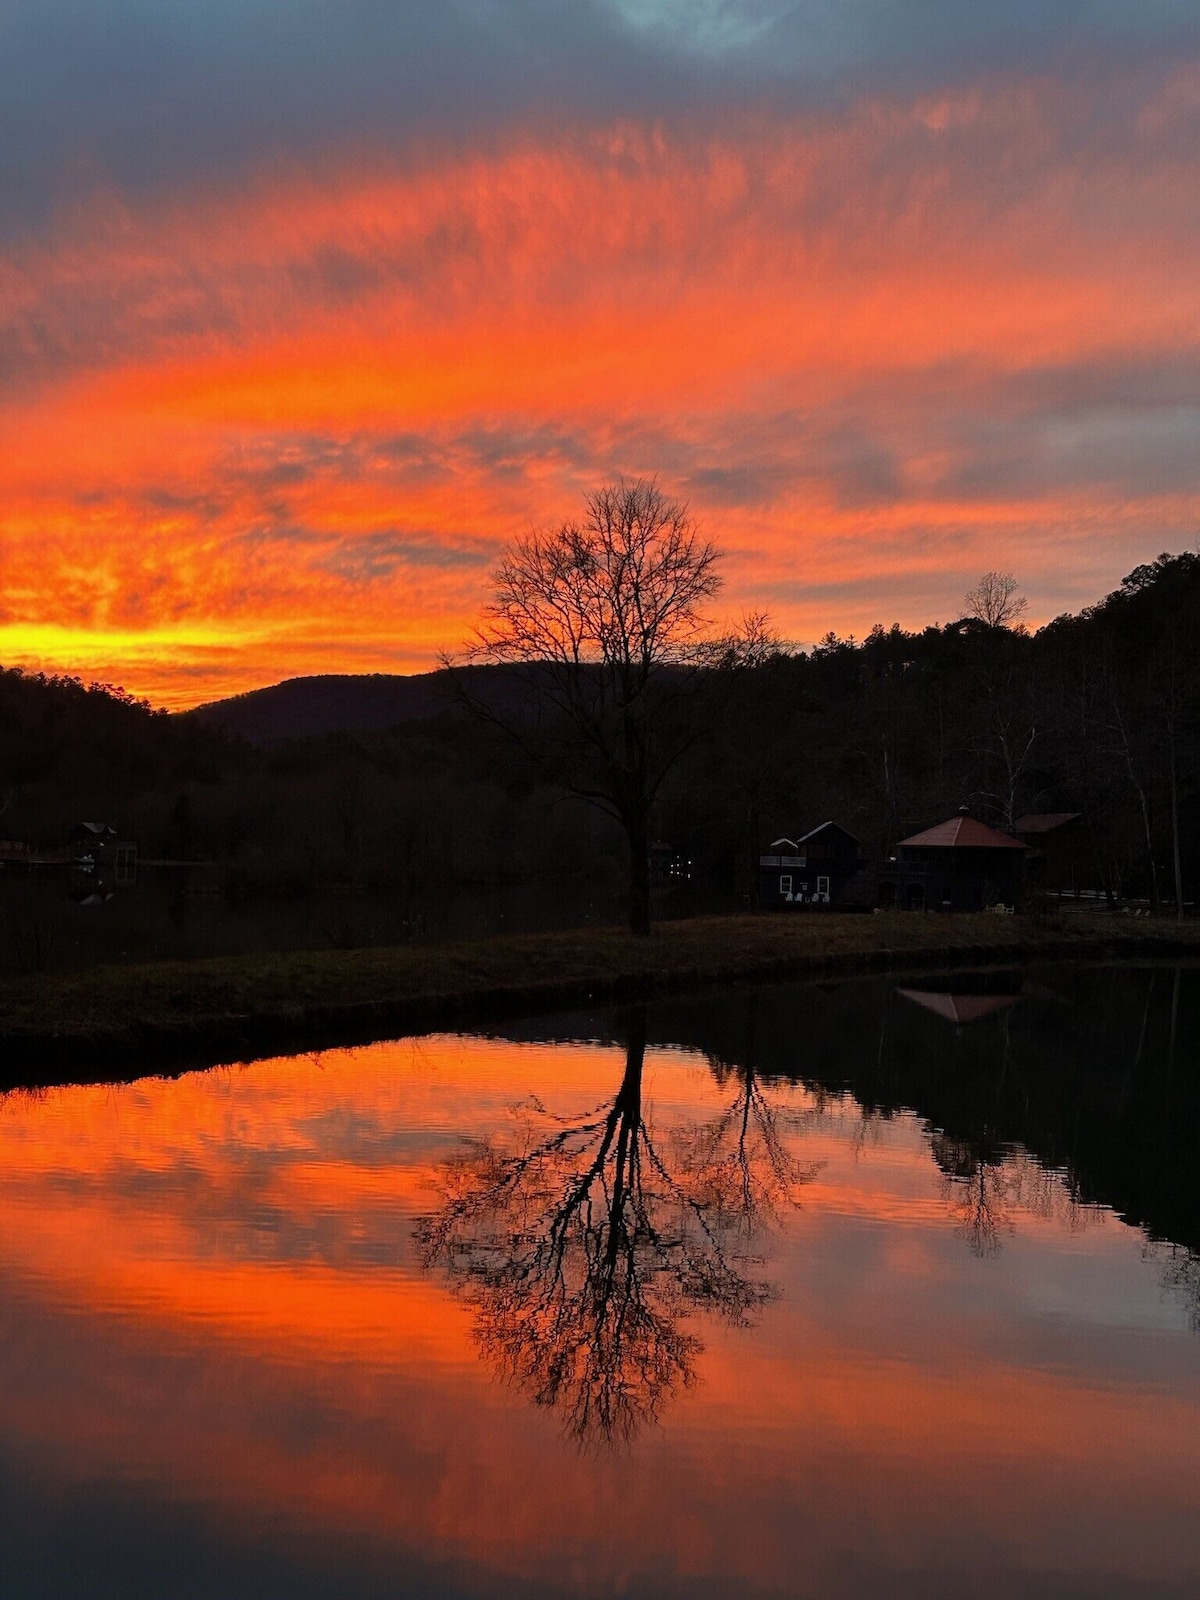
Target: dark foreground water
864	1291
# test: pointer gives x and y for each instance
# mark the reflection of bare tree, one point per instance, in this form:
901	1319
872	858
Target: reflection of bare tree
582	1247
1179	1273
738	1163
987	1189
978	1193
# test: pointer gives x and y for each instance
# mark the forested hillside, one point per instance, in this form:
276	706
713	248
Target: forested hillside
1096	713
384	780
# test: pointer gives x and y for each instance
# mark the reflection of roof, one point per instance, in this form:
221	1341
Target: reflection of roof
964	833
959	1007
1045	821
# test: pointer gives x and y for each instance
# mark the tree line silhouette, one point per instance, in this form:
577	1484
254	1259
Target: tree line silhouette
1096	712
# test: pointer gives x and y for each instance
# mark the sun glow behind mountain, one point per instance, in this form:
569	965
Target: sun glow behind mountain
279	418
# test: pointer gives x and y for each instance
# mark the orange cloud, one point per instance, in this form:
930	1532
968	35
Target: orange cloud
285	429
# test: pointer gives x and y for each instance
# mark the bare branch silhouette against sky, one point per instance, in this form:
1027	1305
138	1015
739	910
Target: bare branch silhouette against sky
607	616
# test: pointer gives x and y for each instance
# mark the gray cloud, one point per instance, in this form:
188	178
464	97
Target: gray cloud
374	557
145	95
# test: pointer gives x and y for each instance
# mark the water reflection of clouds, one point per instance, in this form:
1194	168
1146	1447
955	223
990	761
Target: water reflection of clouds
265	1352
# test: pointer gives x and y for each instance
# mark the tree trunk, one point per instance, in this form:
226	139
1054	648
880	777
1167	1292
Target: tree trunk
639	874
1178	864
1143	804
756	844
635	1056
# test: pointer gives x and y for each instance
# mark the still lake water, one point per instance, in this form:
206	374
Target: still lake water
868	1290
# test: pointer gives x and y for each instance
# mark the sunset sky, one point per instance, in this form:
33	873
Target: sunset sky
306	307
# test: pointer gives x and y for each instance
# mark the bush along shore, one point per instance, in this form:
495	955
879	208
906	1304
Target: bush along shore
123	1022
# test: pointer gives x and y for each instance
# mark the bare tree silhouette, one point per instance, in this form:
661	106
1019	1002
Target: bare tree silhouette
996	601
583	1247
607	618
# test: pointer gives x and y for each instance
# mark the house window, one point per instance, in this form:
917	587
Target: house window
785	884
823	888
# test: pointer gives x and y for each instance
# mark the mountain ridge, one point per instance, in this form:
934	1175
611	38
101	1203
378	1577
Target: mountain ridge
316	704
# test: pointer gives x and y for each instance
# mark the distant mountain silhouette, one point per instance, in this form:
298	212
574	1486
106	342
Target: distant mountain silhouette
300	708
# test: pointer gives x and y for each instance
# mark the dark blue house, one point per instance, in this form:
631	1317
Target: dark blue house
823	870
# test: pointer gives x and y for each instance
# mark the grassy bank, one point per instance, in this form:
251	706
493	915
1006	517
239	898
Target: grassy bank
118	1021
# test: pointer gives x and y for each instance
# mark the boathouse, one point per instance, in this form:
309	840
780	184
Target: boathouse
959	865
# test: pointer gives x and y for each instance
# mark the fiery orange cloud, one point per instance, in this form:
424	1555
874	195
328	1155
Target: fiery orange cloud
252	433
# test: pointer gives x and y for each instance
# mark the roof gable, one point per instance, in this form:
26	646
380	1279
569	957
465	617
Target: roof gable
1045	821
822	828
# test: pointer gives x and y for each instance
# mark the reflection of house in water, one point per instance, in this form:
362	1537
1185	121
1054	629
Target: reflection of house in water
959	1008
100	861
823	869
16	852
959	865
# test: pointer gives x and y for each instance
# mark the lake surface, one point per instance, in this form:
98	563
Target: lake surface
868	1290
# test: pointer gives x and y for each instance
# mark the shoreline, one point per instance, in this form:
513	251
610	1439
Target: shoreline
176	1016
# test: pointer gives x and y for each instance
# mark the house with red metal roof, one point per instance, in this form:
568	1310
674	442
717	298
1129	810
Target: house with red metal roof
961	864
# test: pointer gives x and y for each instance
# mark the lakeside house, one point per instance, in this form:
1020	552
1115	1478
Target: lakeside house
958	865
824	869
1062	856
671	865
100	860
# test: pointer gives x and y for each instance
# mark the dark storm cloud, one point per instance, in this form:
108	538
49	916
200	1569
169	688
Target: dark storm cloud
144	94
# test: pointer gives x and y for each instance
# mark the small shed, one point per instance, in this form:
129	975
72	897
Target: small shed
958	865
824	869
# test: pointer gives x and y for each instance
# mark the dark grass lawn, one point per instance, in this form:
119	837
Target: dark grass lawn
234	1007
